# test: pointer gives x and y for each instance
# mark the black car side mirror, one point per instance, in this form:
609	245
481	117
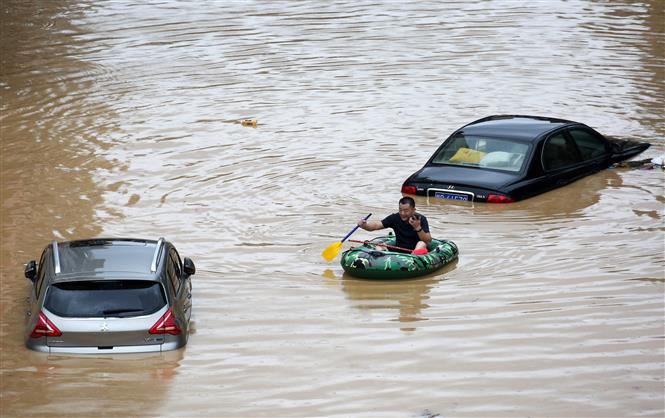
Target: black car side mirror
31	270
188	266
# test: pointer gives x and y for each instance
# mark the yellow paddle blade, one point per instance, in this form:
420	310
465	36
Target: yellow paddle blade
331	251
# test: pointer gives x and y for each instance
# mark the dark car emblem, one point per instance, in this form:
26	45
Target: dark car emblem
451	187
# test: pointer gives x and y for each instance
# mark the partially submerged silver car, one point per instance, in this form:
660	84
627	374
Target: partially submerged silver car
109	296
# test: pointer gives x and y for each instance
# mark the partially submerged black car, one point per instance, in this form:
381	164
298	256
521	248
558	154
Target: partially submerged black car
505	158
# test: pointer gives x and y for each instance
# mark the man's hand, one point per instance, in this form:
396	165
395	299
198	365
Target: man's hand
414	221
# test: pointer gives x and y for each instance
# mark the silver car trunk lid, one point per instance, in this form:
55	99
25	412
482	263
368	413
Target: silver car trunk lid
105	333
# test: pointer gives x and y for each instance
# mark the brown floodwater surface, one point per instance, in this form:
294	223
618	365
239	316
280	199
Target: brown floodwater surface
124	120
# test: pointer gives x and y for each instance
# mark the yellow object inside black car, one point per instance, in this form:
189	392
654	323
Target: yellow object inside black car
467	155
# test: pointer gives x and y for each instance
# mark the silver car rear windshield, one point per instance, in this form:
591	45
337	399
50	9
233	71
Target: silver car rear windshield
105	298
484	152
98	256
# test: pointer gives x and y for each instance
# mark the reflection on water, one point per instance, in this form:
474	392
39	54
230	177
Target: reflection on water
557	204
408	297
52	140
90	384
115	121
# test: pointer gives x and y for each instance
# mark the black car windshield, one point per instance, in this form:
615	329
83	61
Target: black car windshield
485	152
105	298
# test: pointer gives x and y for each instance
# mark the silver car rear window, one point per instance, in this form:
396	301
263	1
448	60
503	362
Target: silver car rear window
105	298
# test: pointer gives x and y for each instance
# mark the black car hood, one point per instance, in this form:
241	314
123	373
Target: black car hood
464	176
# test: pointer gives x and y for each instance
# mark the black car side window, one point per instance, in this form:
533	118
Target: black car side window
558	152
590	145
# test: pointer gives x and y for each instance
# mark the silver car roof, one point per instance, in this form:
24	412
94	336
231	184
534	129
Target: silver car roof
102	258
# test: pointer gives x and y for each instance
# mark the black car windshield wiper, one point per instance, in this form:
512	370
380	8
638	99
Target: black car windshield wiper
120	311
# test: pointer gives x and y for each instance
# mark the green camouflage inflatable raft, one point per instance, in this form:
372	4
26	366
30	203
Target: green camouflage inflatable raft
370	261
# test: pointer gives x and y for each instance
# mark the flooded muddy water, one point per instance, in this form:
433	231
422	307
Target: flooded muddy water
121	119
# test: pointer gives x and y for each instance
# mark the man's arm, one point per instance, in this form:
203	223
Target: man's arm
370	225
426	237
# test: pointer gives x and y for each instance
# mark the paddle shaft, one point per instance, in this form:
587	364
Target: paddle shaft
378	244
354	229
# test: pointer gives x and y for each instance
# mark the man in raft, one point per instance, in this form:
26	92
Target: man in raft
411	228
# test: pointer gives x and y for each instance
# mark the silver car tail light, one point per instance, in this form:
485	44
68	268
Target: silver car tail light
44	328
166	325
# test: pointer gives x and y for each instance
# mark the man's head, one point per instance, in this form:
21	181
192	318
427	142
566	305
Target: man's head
407	208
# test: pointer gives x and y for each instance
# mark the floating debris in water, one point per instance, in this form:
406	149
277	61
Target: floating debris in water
248	122
243	122
647	164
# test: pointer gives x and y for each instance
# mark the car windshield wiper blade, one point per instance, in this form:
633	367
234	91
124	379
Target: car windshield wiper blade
119	311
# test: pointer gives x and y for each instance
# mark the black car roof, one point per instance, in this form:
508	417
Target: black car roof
106	257
522	127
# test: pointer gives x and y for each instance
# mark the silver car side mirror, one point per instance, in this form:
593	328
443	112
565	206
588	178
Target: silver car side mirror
31	270
188	266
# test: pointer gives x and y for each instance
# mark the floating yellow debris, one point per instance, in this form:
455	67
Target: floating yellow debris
248	122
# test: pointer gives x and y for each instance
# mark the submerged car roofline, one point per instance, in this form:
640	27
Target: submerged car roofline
503	117
531	130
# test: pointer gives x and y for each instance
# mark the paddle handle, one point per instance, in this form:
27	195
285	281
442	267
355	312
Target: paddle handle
379	244
354	229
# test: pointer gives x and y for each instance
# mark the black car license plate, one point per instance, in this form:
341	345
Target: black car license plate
451	196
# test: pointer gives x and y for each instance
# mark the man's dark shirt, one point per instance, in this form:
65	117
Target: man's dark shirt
406	236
